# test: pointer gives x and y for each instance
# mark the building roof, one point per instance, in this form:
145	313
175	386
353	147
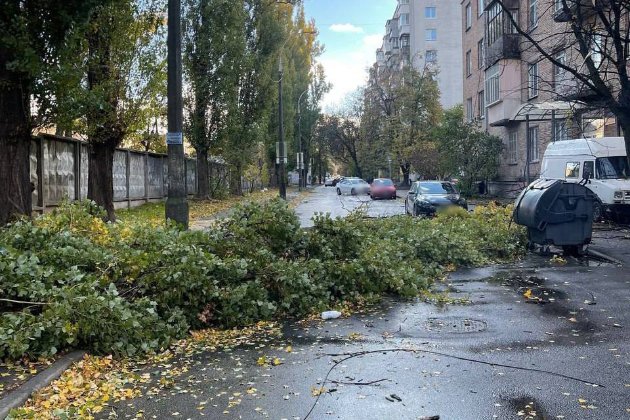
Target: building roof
601	147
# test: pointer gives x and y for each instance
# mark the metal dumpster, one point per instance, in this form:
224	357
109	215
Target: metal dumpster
556	213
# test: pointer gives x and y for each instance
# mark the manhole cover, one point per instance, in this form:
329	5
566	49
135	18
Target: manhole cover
455	325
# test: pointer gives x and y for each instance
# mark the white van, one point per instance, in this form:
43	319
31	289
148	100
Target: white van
603	160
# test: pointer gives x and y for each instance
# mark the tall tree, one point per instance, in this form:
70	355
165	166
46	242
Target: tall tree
403	105
214	43
465	151
31	33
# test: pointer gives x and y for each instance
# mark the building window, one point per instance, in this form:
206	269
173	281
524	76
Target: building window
469	109
481	54
468	63
533	13
596	50
513	147
481	103
532	138
480	7
468	16
560	130
430	56
393	42
404	19
558	72
532	80
492	85
572	170
430	12
495	23
404	40
431	34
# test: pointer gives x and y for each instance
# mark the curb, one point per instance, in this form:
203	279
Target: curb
20	395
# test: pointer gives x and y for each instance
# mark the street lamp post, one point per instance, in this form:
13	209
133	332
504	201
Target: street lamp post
300	159
176	202
281	158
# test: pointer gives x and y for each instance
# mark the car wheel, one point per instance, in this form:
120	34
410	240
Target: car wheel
338	191
372	197
597	211
353	192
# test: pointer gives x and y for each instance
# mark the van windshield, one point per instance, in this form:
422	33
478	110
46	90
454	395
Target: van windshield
615	167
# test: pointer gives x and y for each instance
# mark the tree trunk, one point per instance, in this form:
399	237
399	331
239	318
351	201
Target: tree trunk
203	175
15	144
236	185
100	177
624	122
405	168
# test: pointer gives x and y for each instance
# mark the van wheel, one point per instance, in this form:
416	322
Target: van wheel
338	191
597	211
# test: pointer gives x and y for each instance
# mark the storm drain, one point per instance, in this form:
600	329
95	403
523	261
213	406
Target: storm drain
455	325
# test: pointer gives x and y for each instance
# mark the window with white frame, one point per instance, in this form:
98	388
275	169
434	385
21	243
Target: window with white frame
404	19
481	104
532	80
596	50
533	13
481	54
469	109
480	7
513	147
430	12
558	72
431	34
532	138
468	16
430	56
492	85
468	63
560	130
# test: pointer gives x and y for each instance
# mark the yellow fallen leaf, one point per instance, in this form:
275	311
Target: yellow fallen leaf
289	349
276	362
528	294
251	390
262	361
315	391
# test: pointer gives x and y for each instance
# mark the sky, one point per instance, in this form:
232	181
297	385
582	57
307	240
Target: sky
351	31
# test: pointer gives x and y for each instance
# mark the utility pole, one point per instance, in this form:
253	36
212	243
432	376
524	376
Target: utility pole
281	149
176	201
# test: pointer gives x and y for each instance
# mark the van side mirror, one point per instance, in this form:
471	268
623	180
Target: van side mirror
586	177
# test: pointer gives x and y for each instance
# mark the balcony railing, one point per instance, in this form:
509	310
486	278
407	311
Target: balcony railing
507	46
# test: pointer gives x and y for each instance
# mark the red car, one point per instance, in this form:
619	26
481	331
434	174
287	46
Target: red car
382	188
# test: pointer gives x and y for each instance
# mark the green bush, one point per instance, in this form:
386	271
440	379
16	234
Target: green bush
68	280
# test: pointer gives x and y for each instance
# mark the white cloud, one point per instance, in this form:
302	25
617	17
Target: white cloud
346	27
349	70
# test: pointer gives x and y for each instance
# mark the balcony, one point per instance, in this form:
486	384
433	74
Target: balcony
568	88
405	51
507	46
587	9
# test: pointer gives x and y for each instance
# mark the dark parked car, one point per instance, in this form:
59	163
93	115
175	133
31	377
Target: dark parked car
382	188
425	198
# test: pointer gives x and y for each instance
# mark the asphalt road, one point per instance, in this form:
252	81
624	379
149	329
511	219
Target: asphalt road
499	356
326	200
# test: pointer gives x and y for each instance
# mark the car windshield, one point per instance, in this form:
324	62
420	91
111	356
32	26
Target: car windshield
383	182
358	181
614	167
437	188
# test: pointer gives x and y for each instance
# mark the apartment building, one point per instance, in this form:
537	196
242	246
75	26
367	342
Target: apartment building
427	33
513	92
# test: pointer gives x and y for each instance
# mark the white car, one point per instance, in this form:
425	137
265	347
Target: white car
353	186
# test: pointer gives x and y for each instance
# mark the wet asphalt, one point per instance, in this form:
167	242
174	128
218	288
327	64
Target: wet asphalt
561	353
